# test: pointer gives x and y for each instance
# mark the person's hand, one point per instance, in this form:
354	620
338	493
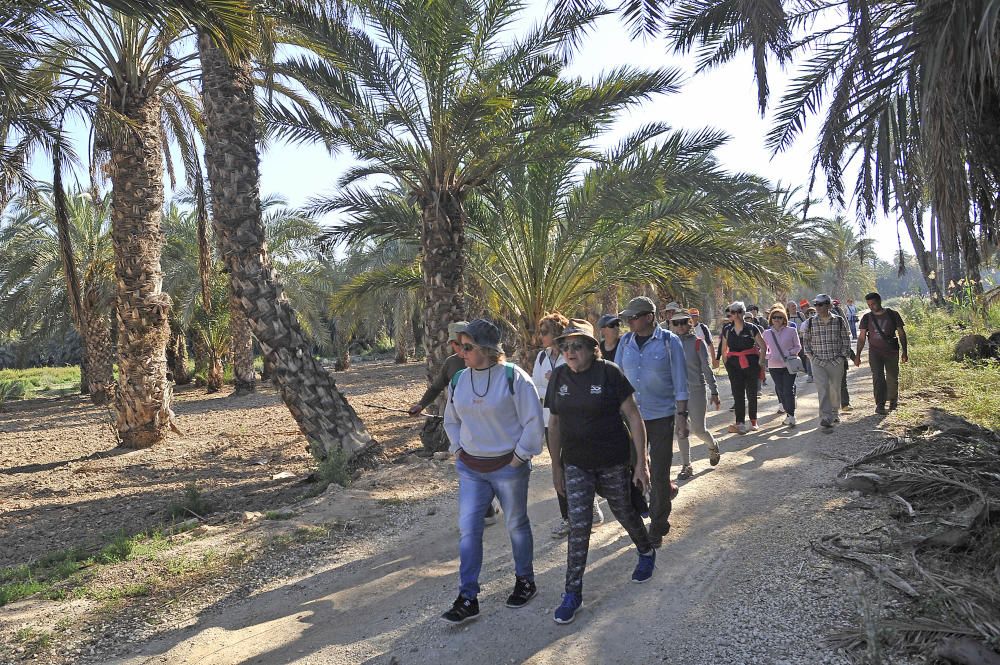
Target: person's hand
640	478
415	409
857	360
559	480
681	426
905	358
516	461
714	399
715	364
548	374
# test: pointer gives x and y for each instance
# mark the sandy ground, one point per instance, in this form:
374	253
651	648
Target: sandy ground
736	581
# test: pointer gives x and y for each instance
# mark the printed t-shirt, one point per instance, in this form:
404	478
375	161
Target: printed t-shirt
592	433
890	321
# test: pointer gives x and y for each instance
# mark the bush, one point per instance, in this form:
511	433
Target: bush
11	390
333	469
192	505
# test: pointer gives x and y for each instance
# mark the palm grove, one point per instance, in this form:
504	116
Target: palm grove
480	183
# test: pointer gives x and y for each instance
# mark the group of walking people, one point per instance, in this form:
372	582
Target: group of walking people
609	426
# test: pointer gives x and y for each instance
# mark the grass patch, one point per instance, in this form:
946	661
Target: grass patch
278	515
969	389
33	640
333	469
193	504
43	381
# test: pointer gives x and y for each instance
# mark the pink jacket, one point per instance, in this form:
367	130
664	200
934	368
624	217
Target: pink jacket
788	338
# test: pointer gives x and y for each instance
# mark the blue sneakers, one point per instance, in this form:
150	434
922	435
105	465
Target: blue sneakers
566	612
644	569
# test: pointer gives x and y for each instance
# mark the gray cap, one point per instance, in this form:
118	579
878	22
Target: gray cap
455	328
672	305
484	334
636	306
681	315
607	320
822	299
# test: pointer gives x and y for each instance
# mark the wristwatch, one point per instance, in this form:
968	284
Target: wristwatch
682	413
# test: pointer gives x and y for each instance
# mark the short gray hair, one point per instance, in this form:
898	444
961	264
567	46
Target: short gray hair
738	306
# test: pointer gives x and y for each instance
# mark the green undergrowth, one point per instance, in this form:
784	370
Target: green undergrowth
969	389
69	573
41	381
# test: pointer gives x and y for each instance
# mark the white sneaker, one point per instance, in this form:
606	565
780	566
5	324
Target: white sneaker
809	379
561	529
781	409
790	421
598	513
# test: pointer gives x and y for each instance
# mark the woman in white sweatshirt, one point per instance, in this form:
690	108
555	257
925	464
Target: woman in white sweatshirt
494	422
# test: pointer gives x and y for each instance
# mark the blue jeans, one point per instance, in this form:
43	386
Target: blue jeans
784	386
475	492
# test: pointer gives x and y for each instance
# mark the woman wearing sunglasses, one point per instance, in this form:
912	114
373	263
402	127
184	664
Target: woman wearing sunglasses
494	422
782	343
742	347
587	398
610	327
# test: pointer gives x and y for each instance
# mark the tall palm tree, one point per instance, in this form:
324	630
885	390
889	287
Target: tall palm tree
848	259
910	87
36	290
438	96
323	414
120	71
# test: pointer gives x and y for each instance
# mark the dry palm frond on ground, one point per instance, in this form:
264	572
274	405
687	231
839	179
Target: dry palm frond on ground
941	549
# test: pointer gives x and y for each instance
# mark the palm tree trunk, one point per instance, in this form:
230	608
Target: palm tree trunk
324	416
144	394
243	373
400	334
609	299
100	355
443	263
182	376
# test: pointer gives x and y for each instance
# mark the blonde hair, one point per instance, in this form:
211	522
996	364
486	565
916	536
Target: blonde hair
777	307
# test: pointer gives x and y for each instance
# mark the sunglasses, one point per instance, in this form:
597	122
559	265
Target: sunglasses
681	323
469	347
777	318
613	325
638	316
573	346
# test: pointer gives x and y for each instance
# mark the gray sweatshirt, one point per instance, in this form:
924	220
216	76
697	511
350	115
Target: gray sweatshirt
485	420
699	366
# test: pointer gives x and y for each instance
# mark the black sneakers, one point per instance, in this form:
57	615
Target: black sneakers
462	610
524	590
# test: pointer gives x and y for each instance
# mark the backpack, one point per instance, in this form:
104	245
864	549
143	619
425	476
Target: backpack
508	370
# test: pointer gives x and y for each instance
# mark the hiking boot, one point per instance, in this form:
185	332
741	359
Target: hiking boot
566	612
644	568
714	456
826	425
686	472
789	421
598	513
847	408
892	406
524	590
880	410
462	610
561	529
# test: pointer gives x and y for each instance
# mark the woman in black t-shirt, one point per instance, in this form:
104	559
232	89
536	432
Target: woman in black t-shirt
586	399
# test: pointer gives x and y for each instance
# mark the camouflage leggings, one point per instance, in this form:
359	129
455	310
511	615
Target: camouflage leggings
611	482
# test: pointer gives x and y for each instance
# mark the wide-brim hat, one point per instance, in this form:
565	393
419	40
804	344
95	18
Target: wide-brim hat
680	316
455	328
607	320
484	335
578	328
636	306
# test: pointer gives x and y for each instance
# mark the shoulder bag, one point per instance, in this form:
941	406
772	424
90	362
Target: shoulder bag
792	363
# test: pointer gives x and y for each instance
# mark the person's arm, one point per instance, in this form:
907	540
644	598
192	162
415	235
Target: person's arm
845	338
862	338
904	353
807	339
529	413
432	392
758	339
706	371
555	452
452	426
796	346
638	430
679	377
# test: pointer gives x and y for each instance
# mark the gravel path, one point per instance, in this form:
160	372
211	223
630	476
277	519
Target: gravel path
736	581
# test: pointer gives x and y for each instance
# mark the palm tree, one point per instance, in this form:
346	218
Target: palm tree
36	290
908	86
848	259
437	96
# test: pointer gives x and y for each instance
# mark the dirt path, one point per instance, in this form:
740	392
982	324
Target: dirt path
735	582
